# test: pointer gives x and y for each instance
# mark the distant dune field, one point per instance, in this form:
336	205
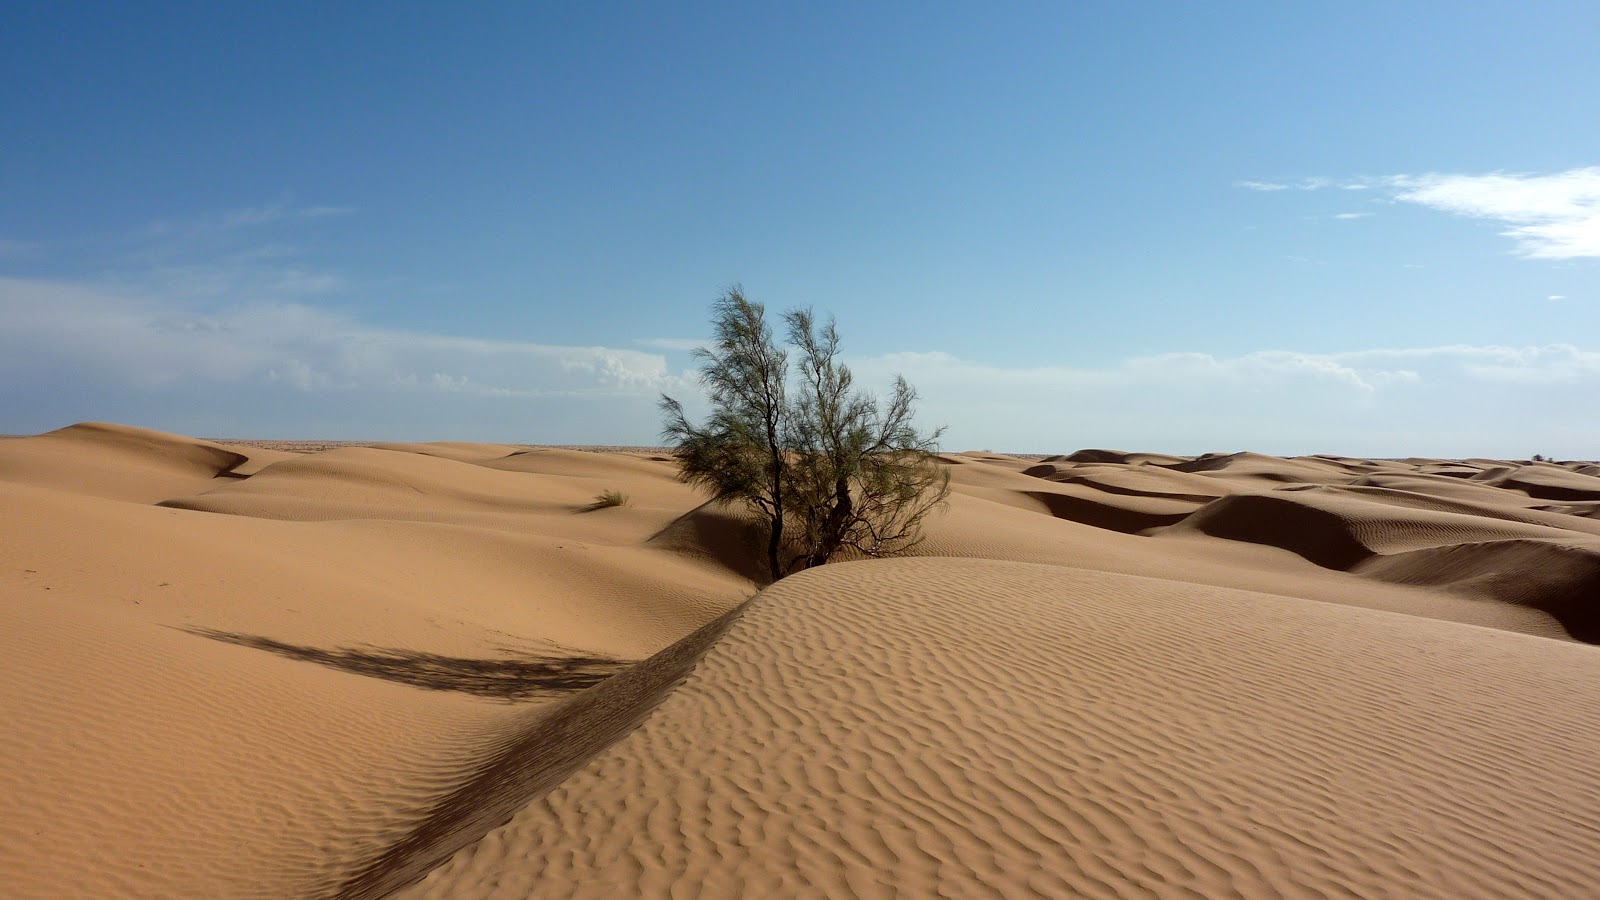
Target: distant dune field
320	669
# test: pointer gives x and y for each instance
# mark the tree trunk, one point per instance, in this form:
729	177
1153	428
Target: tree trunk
774	541
775	533
833	528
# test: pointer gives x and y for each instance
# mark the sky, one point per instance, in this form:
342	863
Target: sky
1358	228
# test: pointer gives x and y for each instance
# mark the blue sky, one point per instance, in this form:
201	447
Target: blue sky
1357	228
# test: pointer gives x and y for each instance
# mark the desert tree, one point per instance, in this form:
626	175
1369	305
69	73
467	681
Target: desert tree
739	452
864	477
826	467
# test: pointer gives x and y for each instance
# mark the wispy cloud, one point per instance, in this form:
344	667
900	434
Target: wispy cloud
210	233
237	276
14	249
1488	363
1304	184
1556	297
1387	401
680	344
256	254
1186	371
1355	215
1261	185
154	343
1356	372
1551	216
101	344
233	219
278	212
212	300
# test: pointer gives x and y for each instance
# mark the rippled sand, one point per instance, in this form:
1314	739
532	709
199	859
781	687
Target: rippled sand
235	671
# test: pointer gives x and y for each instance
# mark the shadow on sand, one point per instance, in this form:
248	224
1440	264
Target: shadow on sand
519	678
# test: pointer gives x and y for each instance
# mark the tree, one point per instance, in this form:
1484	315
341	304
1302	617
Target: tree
824	466
738	453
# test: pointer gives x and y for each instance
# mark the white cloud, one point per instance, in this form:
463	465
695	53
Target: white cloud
1357	215
1551	216
125	338
1556	297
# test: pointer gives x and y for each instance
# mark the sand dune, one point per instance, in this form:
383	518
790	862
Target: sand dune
144	761
1547	482
296	681
970	728
123	463
242	671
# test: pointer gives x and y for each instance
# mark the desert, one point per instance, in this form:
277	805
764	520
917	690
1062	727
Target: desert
274	669
768	451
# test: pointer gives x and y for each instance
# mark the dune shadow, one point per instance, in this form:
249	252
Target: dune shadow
543	749
722	533
1109	516
518	678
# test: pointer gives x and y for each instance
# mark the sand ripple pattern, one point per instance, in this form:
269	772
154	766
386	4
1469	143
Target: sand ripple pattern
966	728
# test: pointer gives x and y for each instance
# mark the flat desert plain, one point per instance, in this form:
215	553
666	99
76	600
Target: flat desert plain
442	670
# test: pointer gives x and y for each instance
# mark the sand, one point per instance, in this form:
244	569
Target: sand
275	669
961	728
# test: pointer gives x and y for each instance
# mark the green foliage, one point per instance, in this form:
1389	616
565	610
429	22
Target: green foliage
826	467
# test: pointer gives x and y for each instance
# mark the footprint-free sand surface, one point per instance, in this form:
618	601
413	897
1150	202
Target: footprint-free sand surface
441	670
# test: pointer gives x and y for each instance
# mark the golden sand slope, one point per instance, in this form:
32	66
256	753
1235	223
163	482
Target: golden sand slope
974	728
236	671
123	463
143	761
260	703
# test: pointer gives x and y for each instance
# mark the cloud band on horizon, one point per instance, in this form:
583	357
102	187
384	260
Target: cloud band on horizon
111	343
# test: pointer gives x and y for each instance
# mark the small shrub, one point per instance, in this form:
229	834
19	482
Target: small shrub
609	498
